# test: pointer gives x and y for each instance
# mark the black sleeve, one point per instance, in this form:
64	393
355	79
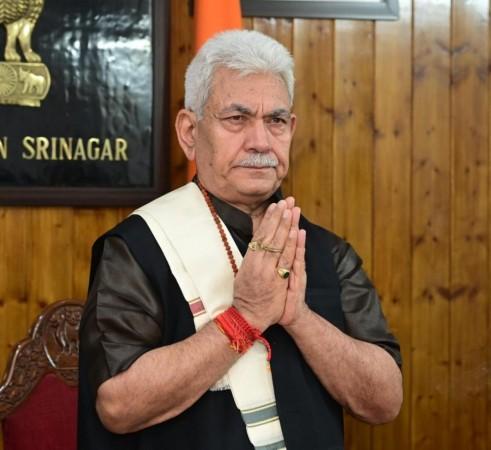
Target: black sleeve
123	317
360	302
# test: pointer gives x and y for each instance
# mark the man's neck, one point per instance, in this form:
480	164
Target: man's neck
255	211
255	208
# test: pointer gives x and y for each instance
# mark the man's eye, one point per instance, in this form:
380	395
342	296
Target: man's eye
278	120
236	119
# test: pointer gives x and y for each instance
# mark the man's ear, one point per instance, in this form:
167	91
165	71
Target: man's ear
186	123
293	124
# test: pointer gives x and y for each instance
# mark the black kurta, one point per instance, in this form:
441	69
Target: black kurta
129	313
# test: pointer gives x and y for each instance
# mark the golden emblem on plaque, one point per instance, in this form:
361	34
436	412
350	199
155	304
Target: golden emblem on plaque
22	83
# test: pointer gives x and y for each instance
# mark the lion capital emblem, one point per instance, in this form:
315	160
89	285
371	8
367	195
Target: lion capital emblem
22	83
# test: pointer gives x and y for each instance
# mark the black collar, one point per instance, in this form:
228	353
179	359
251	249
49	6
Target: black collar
234	218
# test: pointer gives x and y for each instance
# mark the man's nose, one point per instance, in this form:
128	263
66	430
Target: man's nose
258	137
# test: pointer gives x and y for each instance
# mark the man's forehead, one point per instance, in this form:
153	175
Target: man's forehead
235	86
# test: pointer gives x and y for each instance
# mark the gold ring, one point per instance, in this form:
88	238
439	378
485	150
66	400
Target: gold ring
283	273
271	249
255	245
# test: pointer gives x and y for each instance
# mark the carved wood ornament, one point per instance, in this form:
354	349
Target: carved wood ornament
51	347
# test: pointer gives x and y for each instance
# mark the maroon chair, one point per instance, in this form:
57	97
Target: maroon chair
38	392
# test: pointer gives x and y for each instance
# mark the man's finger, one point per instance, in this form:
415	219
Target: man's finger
296	217
290	202
288	256
299	263
271	220
288	223
278	241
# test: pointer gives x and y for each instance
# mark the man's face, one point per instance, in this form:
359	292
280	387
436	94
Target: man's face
242	143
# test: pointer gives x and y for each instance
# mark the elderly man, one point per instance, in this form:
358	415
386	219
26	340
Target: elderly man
218	317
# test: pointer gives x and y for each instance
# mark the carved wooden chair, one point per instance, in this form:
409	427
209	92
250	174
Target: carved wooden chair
38	392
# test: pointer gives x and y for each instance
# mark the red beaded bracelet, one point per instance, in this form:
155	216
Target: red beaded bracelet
239	332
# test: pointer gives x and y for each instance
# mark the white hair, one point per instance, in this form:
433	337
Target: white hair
247	52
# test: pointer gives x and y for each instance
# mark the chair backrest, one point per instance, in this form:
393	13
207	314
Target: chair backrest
38	392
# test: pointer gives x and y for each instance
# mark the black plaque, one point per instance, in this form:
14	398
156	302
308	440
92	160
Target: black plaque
83	106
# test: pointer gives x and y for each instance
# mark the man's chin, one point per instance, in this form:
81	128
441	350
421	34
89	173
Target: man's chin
259	188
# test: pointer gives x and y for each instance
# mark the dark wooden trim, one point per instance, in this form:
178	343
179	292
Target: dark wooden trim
378	10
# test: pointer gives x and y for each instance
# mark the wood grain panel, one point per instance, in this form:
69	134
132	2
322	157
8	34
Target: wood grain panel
392	197
469	294
353	135
13	241
487	366
353	158
88	225
431	225
49	259
311	155
13	270
247	23
279	29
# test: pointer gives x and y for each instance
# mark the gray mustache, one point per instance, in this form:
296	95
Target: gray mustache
259	160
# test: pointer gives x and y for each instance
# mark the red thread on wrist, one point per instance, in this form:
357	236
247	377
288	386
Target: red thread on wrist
239	332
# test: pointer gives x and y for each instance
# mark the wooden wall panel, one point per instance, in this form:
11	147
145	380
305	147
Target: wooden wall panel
469	294
311	154
13	285
88	225
353	135
353	157
430	225
392	196
487	367
13	278
49	259
392	151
